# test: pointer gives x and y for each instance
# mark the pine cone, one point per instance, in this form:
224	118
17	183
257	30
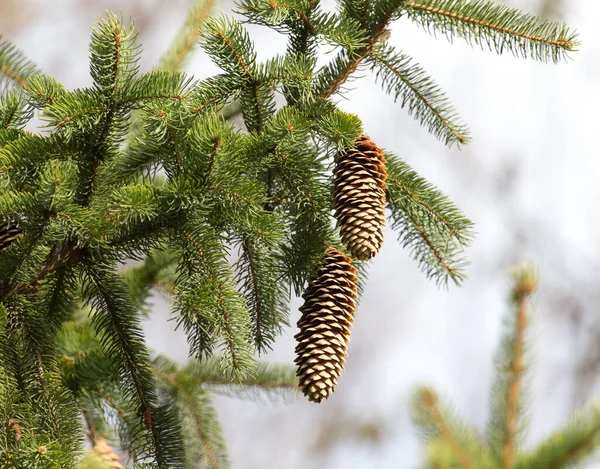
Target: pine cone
359	193
105	452
327	317
8	233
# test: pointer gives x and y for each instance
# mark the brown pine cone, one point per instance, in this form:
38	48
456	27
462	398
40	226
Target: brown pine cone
359	193
327	317
9	231
107	453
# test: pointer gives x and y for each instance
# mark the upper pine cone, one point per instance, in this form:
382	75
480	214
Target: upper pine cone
8	233
359	193
327	317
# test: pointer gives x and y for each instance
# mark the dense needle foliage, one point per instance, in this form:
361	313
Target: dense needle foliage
226	221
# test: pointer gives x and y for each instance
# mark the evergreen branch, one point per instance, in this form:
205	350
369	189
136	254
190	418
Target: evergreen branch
424	99
183	44
120	336
229	46
257	103
31	149
195	404
340	71
61	258
338	30
14	65
129	431
158	85
171	140
10	135
265	291
14	110
358	10
567	446
213	91
428	223
500	27
503	427
81	108
113	55
164	141
524	286
338	130
302	38
431	418
44	90
157	270
267	378
199	412
275	15
347	62
210	309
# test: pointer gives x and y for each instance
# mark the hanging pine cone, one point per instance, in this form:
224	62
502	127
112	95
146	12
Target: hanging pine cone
359	193
327	317
8	233
107	454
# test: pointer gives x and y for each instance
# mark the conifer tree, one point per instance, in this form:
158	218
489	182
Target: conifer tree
452	443
226	221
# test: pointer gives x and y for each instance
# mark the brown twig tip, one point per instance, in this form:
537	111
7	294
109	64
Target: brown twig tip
427	400
525	281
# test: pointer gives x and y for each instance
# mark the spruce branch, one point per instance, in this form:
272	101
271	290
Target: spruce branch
44	90
229	46
567	446
504	427
212	312
177	187
347	62
500	27
120	336
264	288
427	222
114	55
466	449
408	82
14	110
268	379
15	67
204	440
158	85
185	40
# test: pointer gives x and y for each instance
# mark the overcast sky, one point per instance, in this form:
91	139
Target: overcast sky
529	181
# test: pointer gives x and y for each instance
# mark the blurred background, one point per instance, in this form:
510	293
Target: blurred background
529	181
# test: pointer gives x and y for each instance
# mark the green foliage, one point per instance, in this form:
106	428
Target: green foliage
499	27
451	443
186	39
138	183
187	388
431	226
423	98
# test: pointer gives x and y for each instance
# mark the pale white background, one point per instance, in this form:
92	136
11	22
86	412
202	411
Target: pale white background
528	180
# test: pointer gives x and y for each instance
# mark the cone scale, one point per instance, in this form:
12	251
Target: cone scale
325	325
359	194
9	232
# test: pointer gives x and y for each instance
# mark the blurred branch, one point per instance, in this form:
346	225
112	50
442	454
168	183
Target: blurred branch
187	37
